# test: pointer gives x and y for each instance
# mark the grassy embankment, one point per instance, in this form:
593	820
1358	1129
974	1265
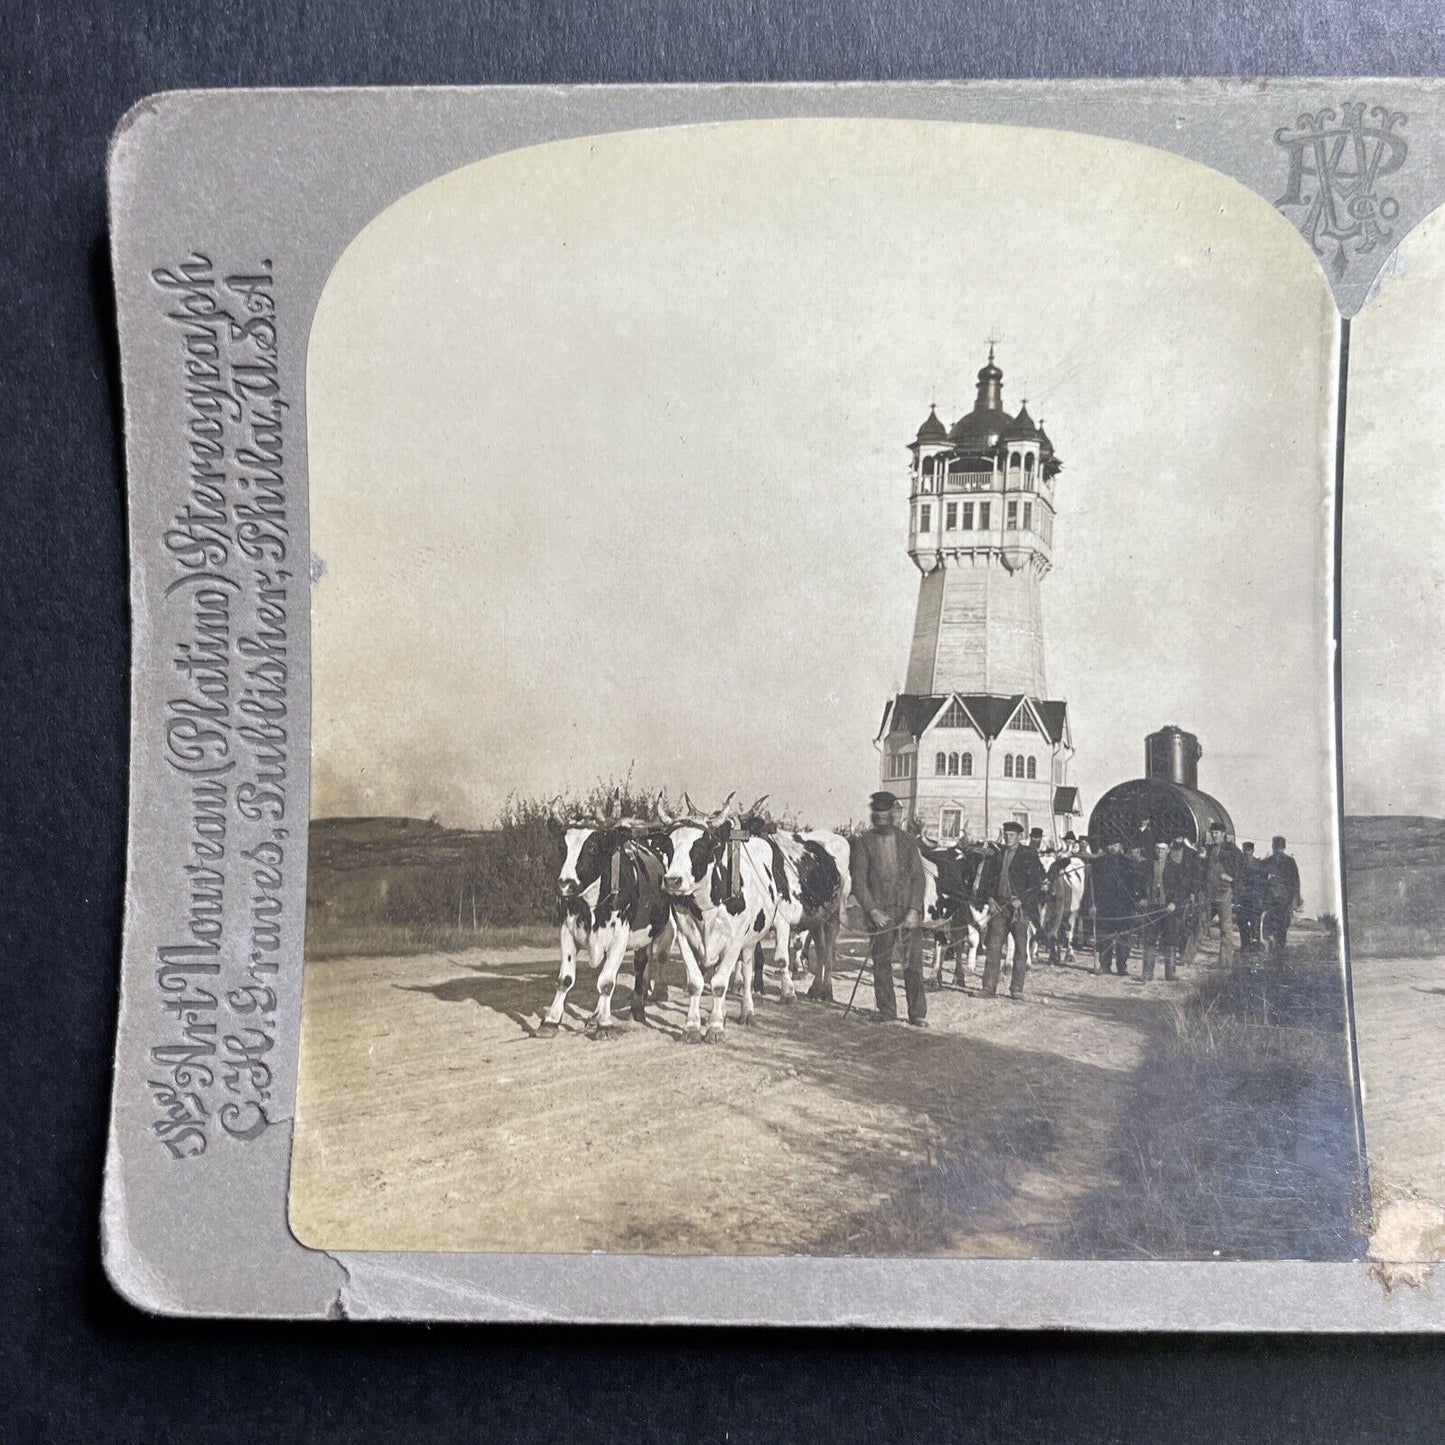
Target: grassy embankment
396	886
1239	1139
1395	884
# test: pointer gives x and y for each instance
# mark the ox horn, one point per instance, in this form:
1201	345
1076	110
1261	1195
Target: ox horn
727	810
756	808
690	807
664	813
554	812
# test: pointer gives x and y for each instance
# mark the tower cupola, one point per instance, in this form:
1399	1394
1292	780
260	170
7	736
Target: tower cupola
932	429
990	386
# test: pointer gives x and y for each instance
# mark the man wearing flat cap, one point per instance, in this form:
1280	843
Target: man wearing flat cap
1011	885
888	882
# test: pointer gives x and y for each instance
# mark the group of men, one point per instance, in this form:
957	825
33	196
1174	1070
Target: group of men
1160	894
1166	895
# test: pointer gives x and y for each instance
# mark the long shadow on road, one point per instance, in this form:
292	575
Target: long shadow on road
916	1143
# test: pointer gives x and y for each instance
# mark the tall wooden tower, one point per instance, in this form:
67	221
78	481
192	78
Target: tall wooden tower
974	739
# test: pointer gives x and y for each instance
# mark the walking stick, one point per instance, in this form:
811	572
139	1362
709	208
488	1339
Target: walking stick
856	982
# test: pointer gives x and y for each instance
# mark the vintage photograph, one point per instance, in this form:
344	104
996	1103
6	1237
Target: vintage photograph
822	688
1392	578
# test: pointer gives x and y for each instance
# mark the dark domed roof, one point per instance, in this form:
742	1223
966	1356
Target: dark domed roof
1022	427
979	429
932	429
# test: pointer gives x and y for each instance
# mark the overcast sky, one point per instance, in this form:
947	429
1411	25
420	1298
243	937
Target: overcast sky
607	463
1393	572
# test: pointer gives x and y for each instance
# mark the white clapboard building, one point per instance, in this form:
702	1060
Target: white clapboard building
974	739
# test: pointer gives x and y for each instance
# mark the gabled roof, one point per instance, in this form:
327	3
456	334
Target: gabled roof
1053	715
915	712
992	713
911	712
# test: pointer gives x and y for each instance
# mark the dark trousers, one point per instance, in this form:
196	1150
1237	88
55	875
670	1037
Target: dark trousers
1248	918
905	945
1277	919
1000	927
1162	934
1112	946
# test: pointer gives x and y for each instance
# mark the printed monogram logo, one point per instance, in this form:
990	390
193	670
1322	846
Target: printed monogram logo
1336	161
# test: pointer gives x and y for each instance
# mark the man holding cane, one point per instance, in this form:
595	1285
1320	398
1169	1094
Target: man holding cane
888	882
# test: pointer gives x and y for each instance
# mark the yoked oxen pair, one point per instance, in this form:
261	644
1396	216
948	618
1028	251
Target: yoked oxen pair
610	900
729	885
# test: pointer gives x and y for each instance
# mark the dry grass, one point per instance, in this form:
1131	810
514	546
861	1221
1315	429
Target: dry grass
1240	1141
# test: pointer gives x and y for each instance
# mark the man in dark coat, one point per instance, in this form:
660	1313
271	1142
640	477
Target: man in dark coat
1282	895
1117	890
1249	900
1167	904
1012	889
888	882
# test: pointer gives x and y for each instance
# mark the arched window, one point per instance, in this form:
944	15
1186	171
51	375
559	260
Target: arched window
965	765
940	764
953	765
1019	766
1029	472
1008	765
1033	768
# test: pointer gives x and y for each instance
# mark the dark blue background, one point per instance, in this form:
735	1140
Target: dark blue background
79	1364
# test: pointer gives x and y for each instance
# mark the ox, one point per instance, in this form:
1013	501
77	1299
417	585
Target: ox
951	915
719	918
1065	887
610	899
815	879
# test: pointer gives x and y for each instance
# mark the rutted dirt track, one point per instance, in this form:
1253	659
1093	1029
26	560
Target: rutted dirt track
430	1117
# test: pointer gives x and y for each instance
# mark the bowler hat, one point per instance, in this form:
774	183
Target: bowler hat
1012	827
882	802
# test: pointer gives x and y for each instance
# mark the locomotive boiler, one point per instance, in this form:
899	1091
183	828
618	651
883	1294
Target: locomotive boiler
1165	803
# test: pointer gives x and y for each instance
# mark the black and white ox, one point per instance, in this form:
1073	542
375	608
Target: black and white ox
724	888
610	900
816	879
952	918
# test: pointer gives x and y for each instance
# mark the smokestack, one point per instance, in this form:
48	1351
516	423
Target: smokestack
1172	756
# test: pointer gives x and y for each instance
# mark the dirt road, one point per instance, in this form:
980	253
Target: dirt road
1400	1023
430	1117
